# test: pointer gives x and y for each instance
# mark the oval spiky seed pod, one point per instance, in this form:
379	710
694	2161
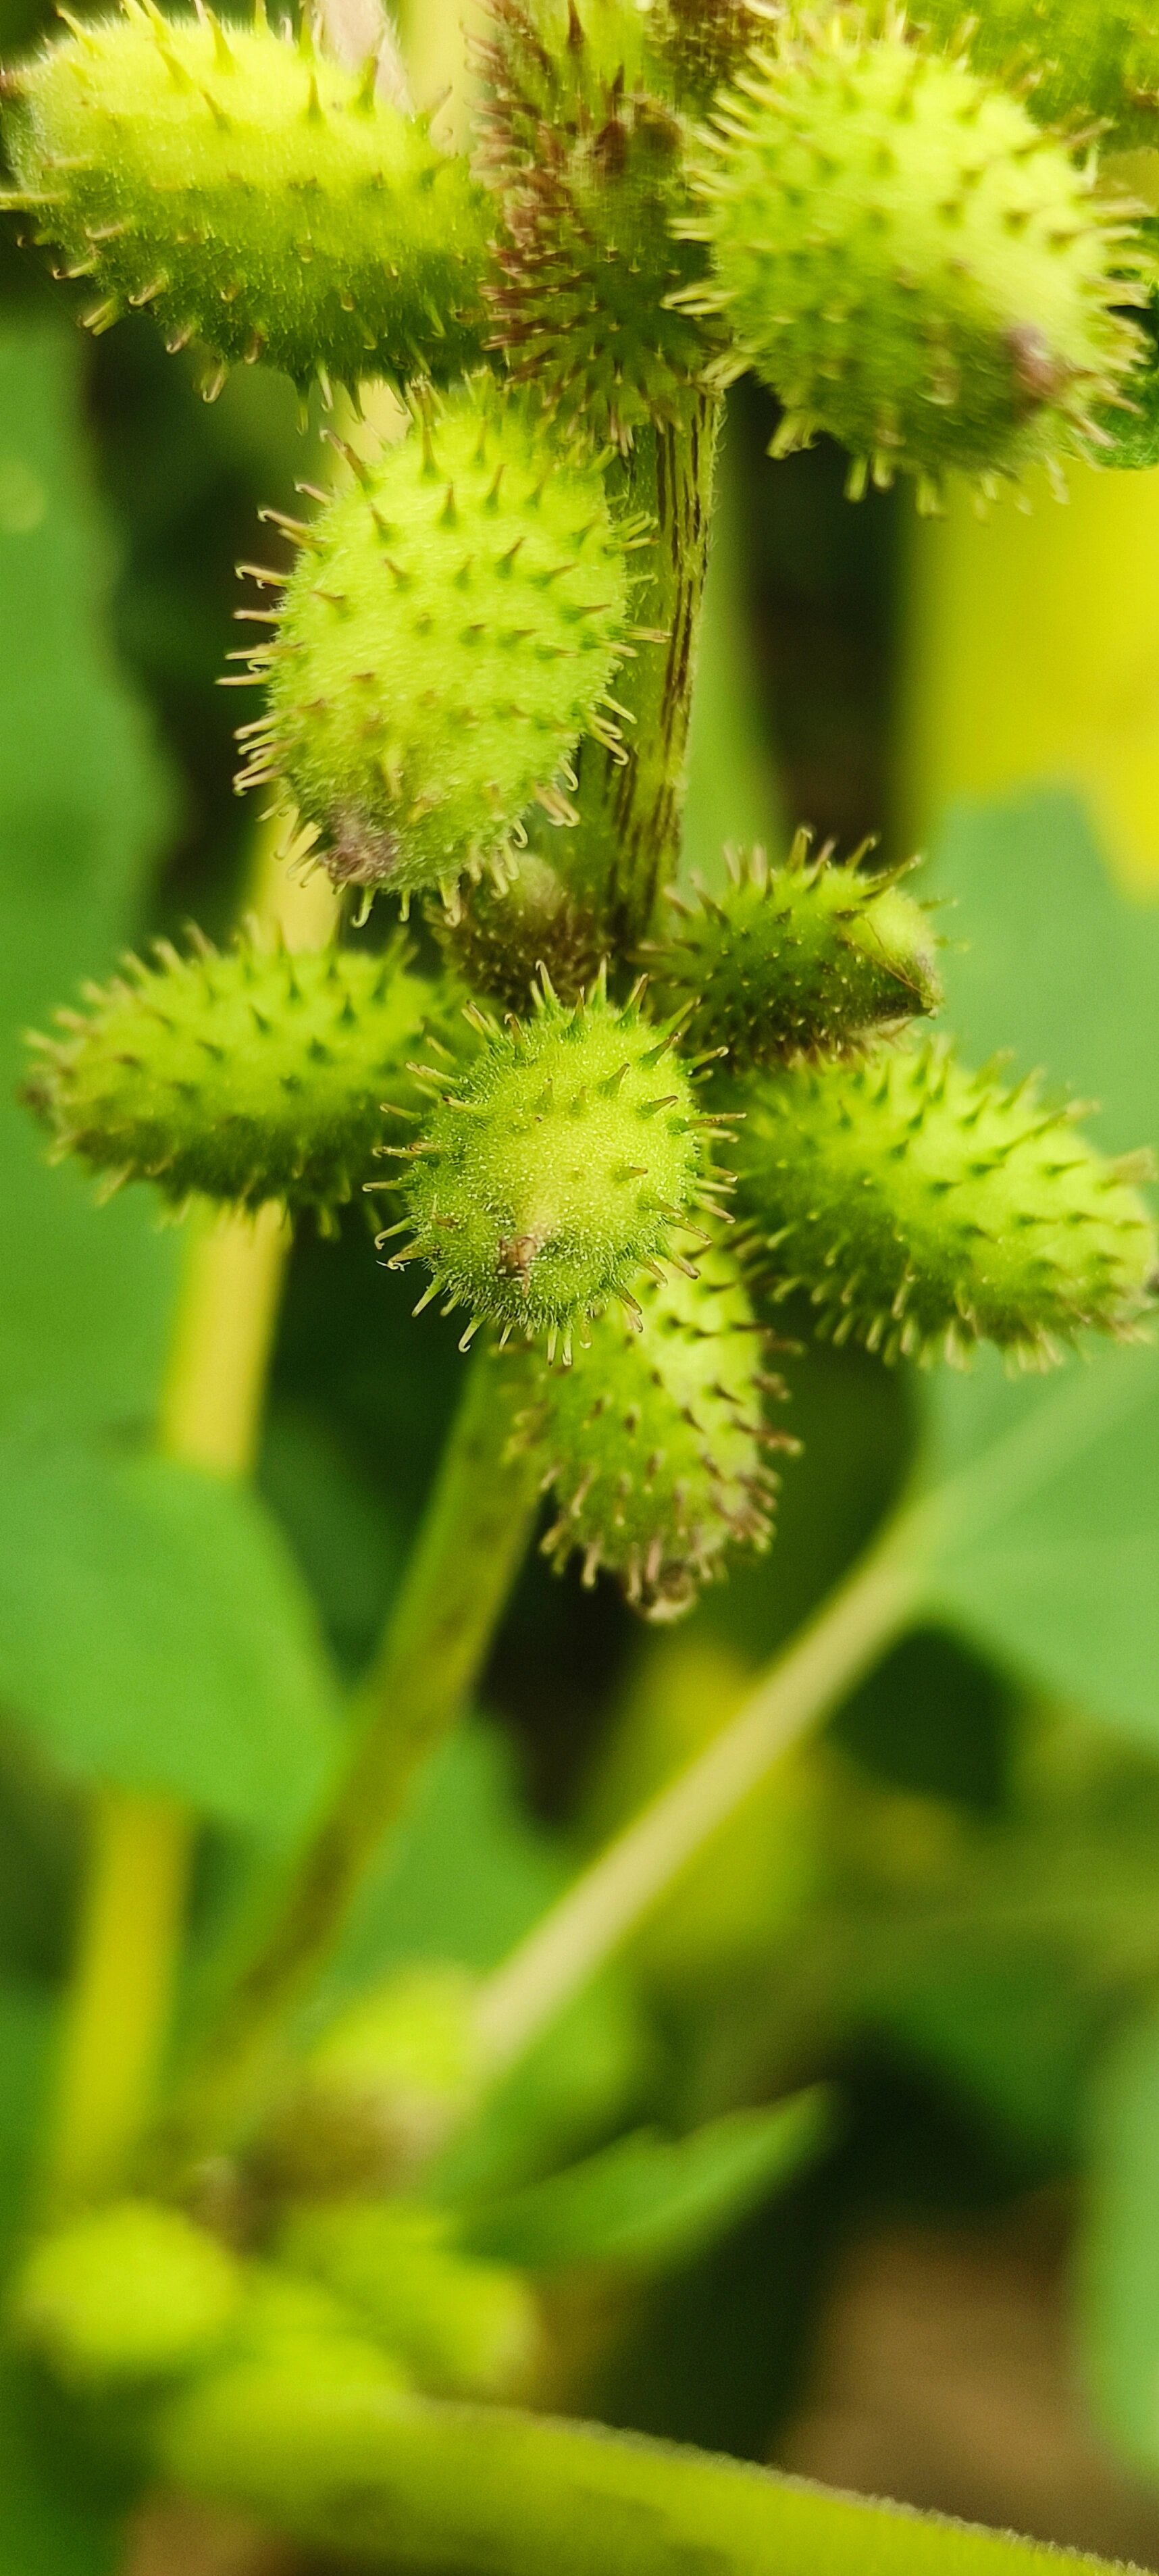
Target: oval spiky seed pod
553	1172
655	1438
584	146
263	202
499	936
245	1075
806	959
909	261
130	2293
1073	60
448	634
924	1208
462	2326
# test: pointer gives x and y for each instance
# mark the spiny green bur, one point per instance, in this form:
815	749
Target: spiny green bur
132	2293
447	635
809	958
584	145
654	1440
1074	60
246	1075
380	2090
553	1171
258	199
498	936
909	262
463	2327
924	1208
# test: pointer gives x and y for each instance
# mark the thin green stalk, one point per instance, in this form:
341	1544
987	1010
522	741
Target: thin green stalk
402	2482
631	804
611	1899
469	1551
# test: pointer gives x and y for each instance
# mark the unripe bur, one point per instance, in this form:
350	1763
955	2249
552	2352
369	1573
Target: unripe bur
1074	60
464	2327
583	142
498	936
246	1075
381	2089
261	201
655	1440
810	958
553	1172
131	2294
924	1208
449	632
909	261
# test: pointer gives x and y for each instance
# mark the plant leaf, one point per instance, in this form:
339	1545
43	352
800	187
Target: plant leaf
153	1632
649	2202
1120	2256
84	807
1046	1537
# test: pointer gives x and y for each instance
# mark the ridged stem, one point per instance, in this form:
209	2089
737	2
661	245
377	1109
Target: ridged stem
132	1915
631	806
468	1553
612	1898
400	2482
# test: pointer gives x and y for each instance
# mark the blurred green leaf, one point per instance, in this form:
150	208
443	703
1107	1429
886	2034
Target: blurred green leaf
466	1874
26	2024
1046	1545
649	2202
1120	2257
153	1632
45	2529
84	807
1047	1531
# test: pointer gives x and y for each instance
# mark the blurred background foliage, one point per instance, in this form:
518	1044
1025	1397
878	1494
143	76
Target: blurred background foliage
944	2283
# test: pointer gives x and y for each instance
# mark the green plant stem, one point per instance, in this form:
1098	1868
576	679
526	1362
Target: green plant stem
606	1905
409	2483
631	807
469	1551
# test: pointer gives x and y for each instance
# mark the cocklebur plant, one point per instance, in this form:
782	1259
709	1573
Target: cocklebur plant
621	1121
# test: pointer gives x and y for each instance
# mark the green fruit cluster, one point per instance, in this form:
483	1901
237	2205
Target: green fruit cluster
554	1171
584	146
924	1208
655	1439
450	630
245	1075
462	2326
257	198
909	261
806	959
130	2293
1075	60
500	935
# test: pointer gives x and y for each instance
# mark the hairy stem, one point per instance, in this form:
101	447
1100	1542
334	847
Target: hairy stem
468	1554
408	2483
610	1900
631	808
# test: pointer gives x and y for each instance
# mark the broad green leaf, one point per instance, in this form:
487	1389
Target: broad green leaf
48	2527
84	807
649	2202
153	1632
1046	1537
1120	2257
1046	1532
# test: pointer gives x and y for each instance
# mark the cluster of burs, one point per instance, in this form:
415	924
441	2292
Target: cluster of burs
623	1119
